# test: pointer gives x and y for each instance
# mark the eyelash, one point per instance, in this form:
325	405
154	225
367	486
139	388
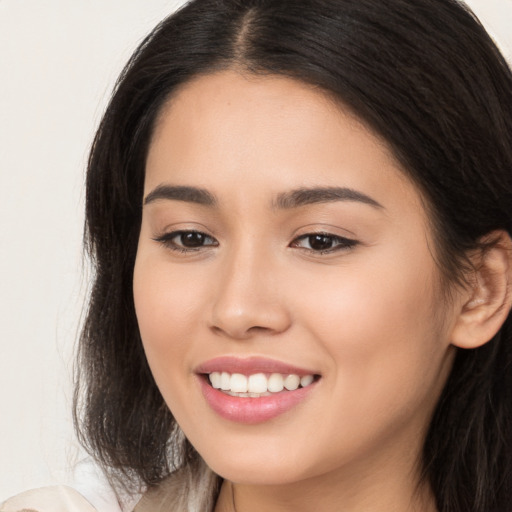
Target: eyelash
340	243
168	241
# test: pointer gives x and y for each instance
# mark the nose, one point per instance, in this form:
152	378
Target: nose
248	298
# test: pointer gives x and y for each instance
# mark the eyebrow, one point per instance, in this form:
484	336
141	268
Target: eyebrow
305	196
284	201
181	193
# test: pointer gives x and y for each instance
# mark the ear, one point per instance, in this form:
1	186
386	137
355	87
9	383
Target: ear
488	299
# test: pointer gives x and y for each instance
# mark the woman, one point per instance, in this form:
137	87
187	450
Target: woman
300	217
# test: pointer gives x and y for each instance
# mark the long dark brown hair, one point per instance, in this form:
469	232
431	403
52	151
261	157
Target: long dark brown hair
425	76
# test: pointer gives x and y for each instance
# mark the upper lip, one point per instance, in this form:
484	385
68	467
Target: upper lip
250	366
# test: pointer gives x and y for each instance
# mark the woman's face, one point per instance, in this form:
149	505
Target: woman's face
279	237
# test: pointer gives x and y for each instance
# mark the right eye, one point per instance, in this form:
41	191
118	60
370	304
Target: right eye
186	241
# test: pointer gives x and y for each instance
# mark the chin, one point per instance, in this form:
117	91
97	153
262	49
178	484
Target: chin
263	463
257	473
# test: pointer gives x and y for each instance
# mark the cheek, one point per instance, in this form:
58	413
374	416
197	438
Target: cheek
373	317
381	333
166	305
372	304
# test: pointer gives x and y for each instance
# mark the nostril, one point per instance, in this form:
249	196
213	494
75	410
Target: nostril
240	331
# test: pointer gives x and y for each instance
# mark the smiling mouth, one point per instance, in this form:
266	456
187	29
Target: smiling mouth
258	384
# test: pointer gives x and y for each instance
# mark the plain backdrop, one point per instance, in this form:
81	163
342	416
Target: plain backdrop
58	63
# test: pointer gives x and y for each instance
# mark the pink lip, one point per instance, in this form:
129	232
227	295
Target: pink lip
251	410
250	365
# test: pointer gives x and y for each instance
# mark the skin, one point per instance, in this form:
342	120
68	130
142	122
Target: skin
369	317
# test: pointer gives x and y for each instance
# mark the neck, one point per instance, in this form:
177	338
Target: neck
240	498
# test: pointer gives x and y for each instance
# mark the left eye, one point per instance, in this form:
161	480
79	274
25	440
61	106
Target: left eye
320	242
186	240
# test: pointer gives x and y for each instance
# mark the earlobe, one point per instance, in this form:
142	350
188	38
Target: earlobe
489	299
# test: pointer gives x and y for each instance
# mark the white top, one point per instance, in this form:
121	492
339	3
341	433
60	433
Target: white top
191	489
87	491
48	499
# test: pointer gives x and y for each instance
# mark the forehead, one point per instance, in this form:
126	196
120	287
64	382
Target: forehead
248	102
229	128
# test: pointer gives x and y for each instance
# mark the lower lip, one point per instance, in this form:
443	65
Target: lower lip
252	410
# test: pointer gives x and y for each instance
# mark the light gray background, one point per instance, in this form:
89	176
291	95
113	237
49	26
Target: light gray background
58	62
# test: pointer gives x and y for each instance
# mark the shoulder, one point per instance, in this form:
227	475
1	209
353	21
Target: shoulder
48	499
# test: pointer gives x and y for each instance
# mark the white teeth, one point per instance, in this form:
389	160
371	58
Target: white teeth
258	384
238	383
247	395
225	381
292	382
306	380
215	379
275	383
